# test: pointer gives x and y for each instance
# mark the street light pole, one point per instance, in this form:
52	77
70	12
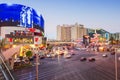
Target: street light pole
37	66
58	59
116	75
58	56
36	52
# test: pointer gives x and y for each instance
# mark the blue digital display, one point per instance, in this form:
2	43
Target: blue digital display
25	16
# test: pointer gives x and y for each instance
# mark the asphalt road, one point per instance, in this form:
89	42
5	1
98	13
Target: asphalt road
73	69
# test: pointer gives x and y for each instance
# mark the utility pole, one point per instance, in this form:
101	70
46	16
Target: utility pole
116	71
36	52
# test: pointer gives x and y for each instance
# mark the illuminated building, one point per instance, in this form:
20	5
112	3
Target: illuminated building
77	31
116	36
64	33
19	17
101	32
70	32
20	24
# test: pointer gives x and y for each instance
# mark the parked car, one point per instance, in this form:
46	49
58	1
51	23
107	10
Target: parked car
83	59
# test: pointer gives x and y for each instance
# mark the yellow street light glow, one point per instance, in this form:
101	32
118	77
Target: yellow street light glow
32	45
14	46
101	48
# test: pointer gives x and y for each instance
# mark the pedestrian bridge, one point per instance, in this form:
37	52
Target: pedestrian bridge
56	42
10	52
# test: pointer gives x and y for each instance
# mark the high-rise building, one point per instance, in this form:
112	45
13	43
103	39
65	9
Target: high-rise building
64	33
70	32
77	31
116	36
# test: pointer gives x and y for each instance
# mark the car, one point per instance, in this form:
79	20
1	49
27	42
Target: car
41	56
91	59
77	48
48	56
83	59
104	55
113	53
67	56
72	53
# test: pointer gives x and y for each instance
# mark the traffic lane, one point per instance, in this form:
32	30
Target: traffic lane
95	71
90	69
66	69
107	70
48	71
48	61
73	69
108	65
31	73
63	62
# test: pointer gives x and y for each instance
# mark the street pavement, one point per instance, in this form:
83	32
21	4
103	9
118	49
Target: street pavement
73	69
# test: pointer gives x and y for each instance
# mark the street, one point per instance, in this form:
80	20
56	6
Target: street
103	68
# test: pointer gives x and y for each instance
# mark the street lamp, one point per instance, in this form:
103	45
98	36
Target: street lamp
37	62
117	50
116	75
58	55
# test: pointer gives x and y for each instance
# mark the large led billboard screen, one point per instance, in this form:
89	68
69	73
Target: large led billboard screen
20	15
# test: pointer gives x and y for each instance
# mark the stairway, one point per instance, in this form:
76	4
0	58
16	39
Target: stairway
2	76
5	73
10	52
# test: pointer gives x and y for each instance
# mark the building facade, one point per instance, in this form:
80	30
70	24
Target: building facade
115	36
20	19
70	32
101	32
64	33
77	31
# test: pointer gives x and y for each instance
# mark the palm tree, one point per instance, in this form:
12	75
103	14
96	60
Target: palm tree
29	54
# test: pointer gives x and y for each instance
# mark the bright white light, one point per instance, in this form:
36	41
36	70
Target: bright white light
32	45
12	20
28	16
14	46
9	4
23	16
6	19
